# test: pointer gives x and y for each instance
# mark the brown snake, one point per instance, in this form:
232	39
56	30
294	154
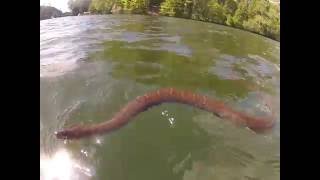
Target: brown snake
167	95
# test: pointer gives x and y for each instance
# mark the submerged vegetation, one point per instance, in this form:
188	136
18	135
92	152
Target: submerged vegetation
259	16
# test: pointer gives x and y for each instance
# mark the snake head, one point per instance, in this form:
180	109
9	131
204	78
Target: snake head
61	134
70	133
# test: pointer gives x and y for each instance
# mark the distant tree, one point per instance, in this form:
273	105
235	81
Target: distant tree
79	6
230	7
241	14
132	6
47	12
173	8
102	6
217	12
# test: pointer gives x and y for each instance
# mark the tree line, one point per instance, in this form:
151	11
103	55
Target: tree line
47	12
259	16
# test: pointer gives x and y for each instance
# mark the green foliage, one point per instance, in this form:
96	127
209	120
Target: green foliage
79	6
173	8
229	20
102	6
258	16
136	6
217	13
241	14
200	10
230	7
263	18
106	6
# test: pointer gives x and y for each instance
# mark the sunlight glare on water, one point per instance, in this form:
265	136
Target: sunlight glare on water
60	166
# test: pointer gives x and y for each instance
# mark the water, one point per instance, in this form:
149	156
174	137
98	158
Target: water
91	66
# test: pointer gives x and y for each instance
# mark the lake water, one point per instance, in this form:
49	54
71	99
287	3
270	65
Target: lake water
91	66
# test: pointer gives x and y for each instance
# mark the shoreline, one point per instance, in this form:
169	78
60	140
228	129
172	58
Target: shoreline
153	13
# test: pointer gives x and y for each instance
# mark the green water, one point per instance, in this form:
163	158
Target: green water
91	66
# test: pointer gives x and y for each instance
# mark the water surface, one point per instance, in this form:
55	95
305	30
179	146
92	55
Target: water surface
91	66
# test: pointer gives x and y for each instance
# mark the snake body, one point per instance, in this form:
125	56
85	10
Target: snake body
167	95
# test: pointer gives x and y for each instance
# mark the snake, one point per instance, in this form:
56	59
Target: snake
167	95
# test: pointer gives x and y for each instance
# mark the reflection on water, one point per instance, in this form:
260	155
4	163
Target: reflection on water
91	66
62	167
